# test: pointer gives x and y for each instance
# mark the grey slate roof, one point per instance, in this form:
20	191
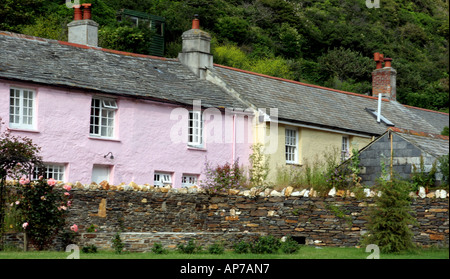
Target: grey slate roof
327	107
58	63
431	145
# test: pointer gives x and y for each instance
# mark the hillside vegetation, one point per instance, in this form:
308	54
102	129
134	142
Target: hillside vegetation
324	42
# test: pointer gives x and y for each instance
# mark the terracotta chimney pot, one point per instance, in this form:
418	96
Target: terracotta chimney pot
196	22
77	12
87	11
387	62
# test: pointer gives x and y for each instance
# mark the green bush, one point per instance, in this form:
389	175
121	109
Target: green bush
90	249
242	247
189	248
266	245
290	246
117	243
216	248
158	248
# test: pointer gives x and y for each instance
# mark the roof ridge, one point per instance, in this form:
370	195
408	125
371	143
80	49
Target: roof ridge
418	133
300	83
125	53
429	110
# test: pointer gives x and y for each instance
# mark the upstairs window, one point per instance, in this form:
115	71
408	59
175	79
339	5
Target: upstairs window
103	113
195	129
345	150
291	146
21	108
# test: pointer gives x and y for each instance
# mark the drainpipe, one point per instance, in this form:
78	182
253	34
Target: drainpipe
233	148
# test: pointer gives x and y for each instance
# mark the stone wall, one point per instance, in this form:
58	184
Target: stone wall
174	216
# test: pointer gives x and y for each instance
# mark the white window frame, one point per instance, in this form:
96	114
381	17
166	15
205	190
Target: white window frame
188	180
55	171
345	148
195	129
162	179
22	108
103	117
291	145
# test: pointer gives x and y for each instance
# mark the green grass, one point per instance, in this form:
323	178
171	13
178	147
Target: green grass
306	252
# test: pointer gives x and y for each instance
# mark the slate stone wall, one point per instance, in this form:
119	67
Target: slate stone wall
173	218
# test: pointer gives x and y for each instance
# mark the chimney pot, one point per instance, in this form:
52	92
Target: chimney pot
387	62
379	58
77	12
86	11
196	22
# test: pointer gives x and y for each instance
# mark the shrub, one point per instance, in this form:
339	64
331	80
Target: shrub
189	248
444	169
90	249
216	248
158	248
259	166
265	245
222	178
117	243
290	246
389	221
242	247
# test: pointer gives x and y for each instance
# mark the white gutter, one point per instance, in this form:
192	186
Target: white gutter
323	129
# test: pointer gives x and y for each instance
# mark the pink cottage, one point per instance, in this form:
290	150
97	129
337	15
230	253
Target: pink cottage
101	114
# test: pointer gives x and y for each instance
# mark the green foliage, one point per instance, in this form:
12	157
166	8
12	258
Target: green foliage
290	246
259	166
42	210
117	243
90	249
216	249
444	169
190	248
422	177
445	131
159	249
241	247
265	245
390	220
222	178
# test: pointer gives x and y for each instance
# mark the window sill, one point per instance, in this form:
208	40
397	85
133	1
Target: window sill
293	164
104	139
23	130
196	148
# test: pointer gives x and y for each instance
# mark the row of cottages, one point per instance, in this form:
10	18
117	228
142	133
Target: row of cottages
101	114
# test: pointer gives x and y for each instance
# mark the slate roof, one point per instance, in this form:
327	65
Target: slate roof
325	107
432	144
59	63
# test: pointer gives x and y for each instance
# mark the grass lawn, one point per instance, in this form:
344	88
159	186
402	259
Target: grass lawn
306	252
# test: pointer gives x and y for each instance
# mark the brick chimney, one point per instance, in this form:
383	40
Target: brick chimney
196	53
384	78
83	30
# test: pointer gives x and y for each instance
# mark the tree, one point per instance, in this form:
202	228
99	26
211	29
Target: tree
390	218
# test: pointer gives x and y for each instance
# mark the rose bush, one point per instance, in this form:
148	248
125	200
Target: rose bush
42	208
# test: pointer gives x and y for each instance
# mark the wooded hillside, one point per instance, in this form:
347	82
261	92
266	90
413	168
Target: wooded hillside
324	42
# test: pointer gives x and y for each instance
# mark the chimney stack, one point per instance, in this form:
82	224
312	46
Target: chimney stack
83	30
196	51
384	78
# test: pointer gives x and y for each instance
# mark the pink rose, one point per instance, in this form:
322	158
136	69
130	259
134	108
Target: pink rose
51	182
67	187
25	225
24	181
74	228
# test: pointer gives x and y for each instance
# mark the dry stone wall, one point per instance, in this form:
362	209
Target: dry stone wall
144	216
176	216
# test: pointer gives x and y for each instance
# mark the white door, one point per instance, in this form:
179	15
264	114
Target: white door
100	173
